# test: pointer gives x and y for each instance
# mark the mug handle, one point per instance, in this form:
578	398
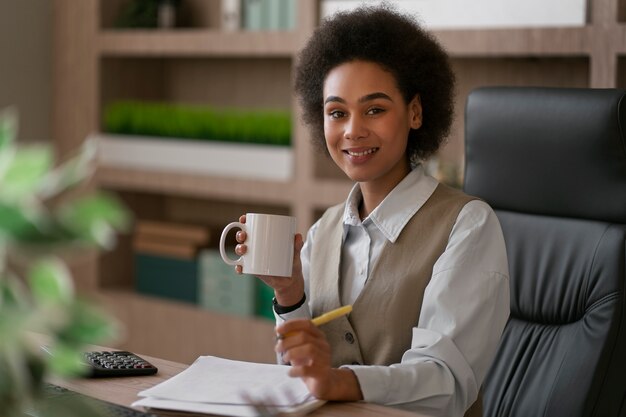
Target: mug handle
225	257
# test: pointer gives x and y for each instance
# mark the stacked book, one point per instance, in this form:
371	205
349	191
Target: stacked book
166	259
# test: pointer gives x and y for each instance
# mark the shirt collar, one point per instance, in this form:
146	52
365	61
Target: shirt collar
395	211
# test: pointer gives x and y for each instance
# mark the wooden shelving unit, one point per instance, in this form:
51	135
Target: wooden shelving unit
95	64
196	43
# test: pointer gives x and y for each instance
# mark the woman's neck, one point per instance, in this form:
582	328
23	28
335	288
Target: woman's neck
375	192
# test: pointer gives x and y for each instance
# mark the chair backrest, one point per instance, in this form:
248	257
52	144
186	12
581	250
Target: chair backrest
552	163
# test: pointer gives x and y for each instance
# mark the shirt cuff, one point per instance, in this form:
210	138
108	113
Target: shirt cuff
284	310
372	381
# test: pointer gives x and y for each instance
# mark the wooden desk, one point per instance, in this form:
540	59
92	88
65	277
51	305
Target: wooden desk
123	391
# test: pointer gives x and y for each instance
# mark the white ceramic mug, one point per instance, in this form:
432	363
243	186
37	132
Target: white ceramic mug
269	242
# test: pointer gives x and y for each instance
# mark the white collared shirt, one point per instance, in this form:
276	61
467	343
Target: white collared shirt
465	306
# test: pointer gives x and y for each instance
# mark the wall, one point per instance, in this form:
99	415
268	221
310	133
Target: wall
25	64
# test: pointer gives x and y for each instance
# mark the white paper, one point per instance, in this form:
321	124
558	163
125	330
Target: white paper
223	409
212	380
458	14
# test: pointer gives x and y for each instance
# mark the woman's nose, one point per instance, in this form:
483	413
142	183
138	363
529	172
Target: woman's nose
355	128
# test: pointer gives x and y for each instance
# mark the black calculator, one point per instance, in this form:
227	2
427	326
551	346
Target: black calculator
117	363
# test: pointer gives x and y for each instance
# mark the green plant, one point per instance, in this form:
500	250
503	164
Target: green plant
270	127
38	221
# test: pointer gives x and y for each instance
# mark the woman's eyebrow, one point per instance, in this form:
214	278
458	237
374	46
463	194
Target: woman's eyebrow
334	99
374	96
367	97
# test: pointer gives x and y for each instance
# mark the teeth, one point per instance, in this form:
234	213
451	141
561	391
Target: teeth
367	152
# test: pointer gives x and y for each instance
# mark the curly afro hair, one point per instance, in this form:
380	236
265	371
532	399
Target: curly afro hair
396	42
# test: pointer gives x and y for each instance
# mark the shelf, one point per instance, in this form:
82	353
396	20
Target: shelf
196	157
516	42
197	43
194	185
324	192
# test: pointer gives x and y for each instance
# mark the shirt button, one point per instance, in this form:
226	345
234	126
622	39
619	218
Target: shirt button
349	337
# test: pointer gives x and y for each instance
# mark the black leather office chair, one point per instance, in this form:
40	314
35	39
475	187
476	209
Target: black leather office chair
552	163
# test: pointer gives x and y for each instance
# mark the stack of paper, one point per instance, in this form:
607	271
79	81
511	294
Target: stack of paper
219	386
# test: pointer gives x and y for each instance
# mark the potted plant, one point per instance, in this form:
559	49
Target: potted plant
39	220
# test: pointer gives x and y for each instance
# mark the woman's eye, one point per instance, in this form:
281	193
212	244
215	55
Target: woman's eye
374	110
336	114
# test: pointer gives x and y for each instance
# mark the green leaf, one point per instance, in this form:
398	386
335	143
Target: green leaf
66	361
13	293
95	218
71	172
25	173
8	126
18	223
50	282
88	325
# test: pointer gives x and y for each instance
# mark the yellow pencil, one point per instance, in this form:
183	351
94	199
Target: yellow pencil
325	318
332	315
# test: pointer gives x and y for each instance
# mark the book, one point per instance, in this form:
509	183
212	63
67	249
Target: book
252	11
213	385
231	15
179	250
222	289
167	277
168	231
272	9
287	14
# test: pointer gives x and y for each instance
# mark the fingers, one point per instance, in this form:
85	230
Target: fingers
241	249
242	218
300	335
305	347
241	236
295	326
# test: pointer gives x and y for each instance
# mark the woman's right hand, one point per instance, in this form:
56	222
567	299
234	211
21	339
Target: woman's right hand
287	290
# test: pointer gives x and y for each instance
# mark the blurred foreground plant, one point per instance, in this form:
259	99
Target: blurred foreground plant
39	220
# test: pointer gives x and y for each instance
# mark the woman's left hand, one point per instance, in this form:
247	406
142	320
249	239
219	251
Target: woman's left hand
305	347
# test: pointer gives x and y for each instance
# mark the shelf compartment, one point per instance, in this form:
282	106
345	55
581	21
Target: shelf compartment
516	42
197	43
189	13
212	213
221	83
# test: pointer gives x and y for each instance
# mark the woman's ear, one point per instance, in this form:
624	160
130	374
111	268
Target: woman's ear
415	112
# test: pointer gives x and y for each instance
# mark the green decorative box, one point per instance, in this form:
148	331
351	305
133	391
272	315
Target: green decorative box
264	296
167	277
222	289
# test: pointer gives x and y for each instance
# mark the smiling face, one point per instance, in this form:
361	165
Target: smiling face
366	124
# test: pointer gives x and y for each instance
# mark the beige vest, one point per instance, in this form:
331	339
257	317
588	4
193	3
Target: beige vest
379	329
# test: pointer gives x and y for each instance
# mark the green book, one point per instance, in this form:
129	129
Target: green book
165	277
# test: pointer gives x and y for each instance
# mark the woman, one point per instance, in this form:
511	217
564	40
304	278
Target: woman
423	265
